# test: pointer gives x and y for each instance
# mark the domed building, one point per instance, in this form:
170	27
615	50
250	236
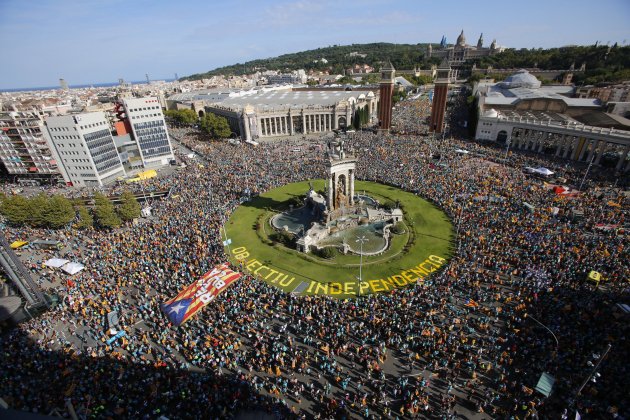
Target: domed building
521	79
461	52
521	113
522	91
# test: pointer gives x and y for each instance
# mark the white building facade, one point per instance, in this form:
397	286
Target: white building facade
564	138
24	151
149	130
84	147
294	112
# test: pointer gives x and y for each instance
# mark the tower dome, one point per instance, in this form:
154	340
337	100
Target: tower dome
521	78
461	39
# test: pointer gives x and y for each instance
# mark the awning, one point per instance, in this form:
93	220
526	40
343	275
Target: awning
73	268
56	262
545	384
18	244
32	169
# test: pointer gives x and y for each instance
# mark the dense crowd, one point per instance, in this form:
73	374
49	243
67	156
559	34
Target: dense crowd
463	341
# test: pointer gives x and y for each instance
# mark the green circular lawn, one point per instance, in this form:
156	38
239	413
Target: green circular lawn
412	256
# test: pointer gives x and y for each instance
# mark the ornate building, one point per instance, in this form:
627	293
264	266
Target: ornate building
293	111
461	52
522	114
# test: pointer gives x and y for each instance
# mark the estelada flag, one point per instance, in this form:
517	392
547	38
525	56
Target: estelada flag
471	304
190	300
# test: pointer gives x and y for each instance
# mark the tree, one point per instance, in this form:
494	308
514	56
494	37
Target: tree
129	208
85	218
58	212
105	213
182	116
216	126
36	210
15	208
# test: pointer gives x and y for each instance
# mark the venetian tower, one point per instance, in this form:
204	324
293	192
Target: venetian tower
388	74
440	93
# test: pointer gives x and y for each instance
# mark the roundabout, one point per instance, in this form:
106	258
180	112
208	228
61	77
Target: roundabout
420	245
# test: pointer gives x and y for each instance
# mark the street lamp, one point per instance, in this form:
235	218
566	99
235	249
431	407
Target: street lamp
547	328
586	173
594	371
362	240
507	149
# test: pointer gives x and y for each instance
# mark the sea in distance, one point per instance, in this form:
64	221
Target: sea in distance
32	89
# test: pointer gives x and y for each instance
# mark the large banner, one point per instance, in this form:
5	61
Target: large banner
190	300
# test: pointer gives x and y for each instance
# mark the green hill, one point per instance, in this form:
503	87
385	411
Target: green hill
603	63
403	56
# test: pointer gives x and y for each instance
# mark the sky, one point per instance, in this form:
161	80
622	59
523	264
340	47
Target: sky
97	41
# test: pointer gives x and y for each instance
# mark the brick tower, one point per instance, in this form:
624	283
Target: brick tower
385	101
438	107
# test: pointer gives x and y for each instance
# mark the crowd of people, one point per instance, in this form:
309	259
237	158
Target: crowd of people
462	342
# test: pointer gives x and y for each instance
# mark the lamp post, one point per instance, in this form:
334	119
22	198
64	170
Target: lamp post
507	149
361	240
547	328
586	173
594	371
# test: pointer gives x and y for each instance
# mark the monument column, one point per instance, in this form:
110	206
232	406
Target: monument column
245	122
291	128
541	145
440	95
587	142
331	192
567	146
622	159
351	200
601	152
593	149
386	90
559	144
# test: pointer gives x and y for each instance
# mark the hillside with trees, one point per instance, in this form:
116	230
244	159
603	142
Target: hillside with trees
603	63
336	58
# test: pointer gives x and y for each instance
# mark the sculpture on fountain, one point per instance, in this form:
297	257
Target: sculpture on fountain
326	218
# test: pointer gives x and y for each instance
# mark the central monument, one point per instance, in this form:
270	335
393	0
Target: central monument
341	168
336	217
